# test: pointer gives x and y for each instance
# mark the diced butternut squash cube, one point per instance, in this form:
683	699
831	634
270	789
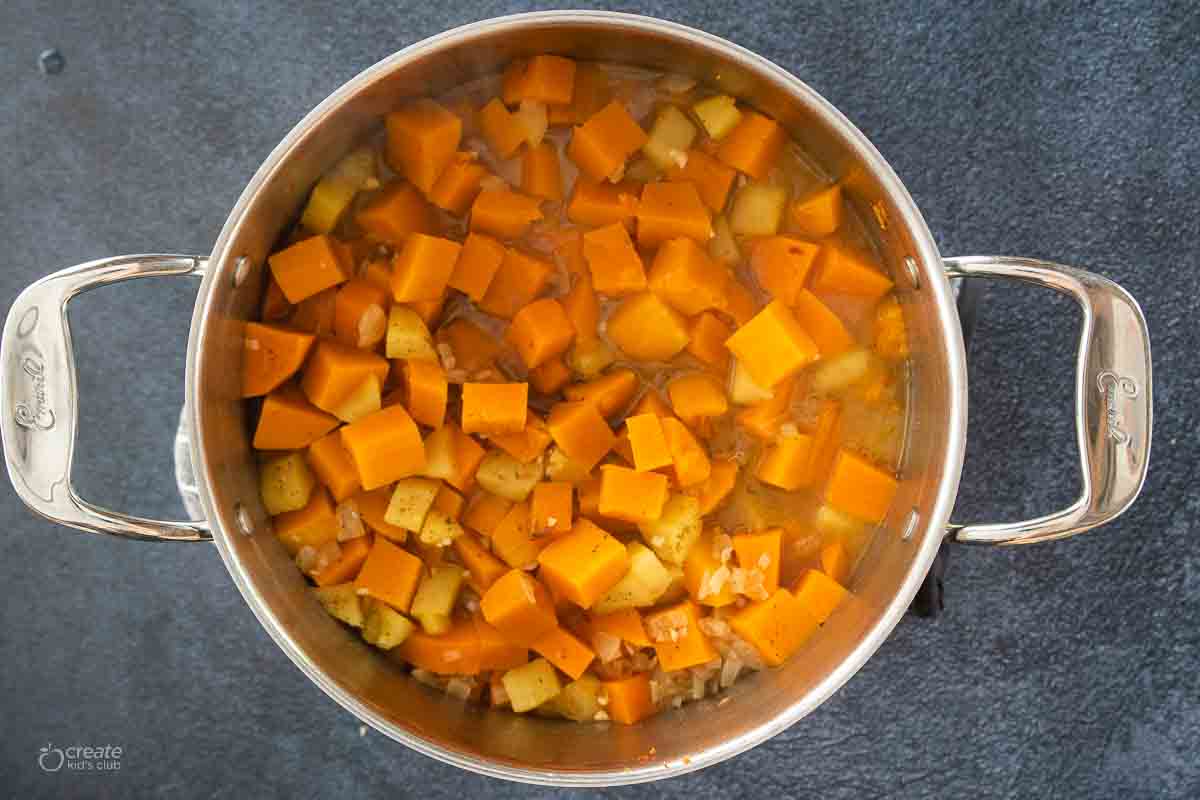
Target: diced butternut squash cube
692	465
781	265
819	593
385	446
540	173
550	376
670	209
531	685
519	607
504	134
486	512
584	564
706	340
625	625
603	203
819	214
372	508
478	261
757	209
610	393
647	329
495	651
334	371
891	338
395	212
842	270
825	327
629	700
859	488
754	145
307	267
288	421
422	268
581	432
427	390
686	278
707	577
360	314
761	551
740	305
390	574
651	402
519	280
364	399
785	463
527	445
543	78
590	94
720	483
649	444
552	508
313	525
494	408
697	397
500	473
630	495
600	146
458	184
502	213
473	348
422	138
455	652
274	305
483	568
449	502
582	308
513	541
673	533
270	356
776	627
565	651
540	331
561	468
677	637
616	268
711	178
835	562
333	466
347	565
773	345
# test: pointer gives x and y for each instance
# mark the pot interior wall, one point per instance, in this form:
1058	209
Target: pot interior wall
357	674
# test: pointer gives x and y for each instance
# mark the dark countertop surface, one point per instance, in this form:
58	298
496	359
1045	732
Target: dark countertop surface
1065	131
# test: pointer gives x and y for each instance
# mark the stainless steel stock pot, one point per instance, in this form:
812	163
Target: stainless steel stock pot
1113	410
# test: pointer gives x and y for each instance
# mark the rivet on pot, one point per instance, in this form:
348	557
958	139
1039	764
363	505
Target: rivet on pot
241	271
242	517
910	269
910	525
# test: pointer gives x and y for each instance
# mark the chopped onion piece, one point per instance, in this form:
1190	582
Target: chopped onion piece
533	118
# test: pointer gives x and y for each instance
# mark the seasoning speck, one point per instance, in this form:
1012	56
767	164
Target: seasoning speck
51	62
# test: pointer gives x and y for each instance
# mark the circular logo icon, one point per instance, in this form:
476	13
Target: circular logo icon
51	759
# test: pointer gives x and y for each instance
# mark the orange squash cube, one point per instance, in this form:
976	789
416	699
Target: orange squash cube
495	651
782	264
603	203
648	443
711	178
483	568
859	488
551	376
494	408
581	432
761	551
686	278
467	456
819	593
697	397
891	339
472	347
270	356
288	421
625	625
677	637
552	508
692	465
394	212
615	265
528	444
307	267
582	308
422	138
773	345
333	466
651	402
706	340
519	608
503	132
335	370
824	326
543	78
584	564
540	173
503	213
427	391
565	652
600	146
520	279
372	507
785	463
754	145
540	331
777	627
739	305
274	305
347	565
630	495
513	541
486	512
720	482
385	446
609	393
647	329
477	264
835	562
455	190
310	526
819	214
669	210
705	583
360	314
422	268
455	652
841	270
389	574
629	699
764	418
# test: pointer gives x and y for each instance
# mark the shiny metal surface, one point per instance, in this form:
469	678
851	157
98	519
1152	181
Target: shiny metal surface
1113	398
40	405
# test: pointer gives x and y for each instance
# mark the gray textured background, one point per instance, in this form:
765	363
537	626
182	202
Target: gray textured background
1066	131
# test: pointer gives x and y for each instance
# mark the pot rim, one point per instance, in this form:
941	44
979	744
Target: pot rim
929	263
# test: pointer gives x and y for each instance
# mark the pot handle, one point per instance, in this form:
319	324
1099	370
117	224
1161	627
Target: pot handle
39	399
1113	399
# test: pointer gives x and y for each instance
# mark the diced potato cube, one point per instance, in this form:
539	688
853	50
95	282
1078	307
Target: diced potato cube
385	627
757	209
579	700
838	373
674	533
342	602
366	399
411	500
718	114
285	483
358	168
723	247
500	473
435	598
327	203
439	529
561	468
670	138
530	685
743	390
643	585
407	335
832	522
